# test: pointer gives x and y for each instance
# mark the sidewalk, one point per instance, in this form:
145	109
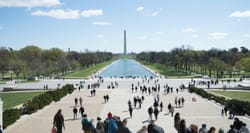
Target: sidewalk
201	111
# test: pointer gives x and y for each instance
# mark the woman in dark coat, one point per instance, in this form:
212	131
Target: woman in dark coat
59	121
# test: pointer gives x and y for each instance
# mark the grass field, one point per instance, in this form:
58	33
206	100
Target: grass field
88	71
235	95
167	72
13	99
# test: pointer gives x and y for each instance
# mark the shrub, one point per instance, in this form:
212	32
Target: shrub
38	102
10	116
240	107
44	99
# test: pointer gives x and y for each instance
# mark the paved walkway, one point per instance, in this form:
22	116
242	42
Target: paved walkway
201	111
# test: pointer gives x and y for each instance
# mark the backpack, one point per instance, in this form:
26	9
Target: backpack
86	124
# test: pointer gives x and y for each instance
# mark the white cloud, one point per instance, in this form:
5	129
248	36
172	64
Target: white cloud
188	30
195	36
155	13
240	14
99	36
142	37
29	3
59	14
140	8
217	35
152	14
102	23
67	14
91	12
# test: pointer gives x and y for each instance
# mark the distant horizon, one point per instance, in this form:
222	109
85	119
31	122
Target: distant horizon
150	26
87	50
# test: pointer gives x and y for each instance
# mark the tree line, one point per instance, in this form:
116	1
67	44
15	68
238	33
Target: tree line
213	62
34	61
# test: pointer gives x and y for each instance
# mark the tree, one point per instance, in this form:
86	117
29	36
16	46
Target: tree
244	50
216	65
5	57
244	64
32	57
17	65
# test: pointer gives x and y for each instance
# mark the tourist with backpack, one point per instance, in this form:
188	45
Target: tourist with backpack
86	124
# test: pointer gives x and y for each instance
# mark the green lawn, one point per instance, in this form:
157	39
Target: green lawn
167	72
13	99
2	81
235	94
88	71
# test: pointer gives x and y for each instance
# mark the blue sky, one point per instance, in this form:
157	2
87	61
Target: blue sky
158	25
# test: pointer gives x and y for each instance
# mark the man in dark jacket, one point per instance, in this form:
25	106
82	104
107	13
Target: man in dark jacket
123	128
153	128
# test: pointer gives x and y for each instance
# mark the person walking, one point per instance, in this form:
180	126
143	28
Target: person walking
156	112
74	112
81	110
76	101
130	111
59	121
150	112
172	111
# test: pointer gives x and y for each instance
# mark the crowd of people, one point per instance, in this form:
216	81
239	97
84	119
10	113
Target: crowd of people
114	124
181	127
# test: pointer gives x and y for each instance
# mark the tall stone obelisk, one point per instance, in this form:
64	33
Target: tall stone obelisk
125	44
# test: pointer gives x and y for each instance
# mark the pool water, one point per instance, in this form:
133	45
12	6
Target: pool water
126	68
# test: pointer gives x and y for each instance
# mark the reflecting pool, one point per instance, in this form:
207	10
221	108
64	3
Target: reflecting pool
126	68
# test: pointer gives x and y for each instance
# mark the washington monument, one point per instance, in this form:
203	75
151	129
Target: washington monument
125	44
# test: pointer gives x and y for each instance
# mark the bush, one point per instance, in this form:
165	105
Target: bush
10	116
240	107
38	102
44	99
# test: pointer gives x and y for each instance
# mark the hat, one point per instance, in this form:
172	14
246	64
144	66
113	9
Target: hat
203	125
109	115
98	118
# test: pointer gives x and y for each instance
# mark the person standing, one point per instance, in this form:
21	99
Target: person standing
100	126
86	124
161	106
130	111
1	129
211	130
80	100
177	120
123	128
172	111
76	101
75	112
153	128
59	121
